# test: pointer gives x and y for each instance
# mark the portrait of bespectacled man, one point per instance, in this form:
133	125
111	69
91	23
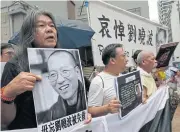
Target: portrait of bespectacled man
64	74
161	37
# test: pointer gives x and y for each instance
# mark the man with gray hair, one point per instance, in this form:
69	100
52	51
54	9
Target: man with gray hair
146	62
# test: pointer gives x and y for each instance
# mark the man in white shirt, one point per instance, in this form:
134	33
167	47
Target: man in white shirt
102	95
146	63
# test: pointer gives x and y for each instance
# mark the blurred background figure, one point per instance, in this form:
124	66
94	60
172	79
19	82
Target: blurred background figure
178	82
173	80
159	76
135	55
172	75
7	52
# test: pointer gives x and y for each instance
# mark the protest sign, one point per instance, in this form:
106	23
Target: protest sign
129	92
164	54
60	98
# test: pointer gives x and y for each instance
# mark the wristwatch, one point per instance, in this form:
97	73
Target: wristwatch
6	100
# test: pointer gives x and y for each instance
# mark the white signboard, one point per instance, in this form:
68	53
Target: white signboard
114	25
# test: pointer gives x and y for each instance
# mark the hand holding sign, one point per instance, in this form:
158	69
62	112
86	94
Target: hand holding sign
113	106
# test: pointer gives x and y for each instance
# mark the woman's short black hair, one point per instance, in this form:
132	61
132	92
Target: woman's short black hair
135	55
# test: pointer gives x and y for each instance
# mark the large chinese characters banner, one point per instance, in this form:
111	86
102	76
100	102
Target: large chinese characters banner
114	25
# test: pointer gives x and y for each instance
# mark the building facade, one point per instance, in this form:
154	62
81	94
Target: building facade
169	15
14	12
138	7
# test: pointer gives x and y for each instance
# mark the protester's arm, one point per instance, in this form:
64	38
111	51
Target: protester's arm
97	111
8	113
112	107
95	100
21	83
145	89
145	95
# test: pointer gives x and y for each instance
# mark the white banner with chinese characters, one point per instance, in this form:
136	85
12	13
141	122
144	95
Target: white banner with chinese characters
114	25
153	116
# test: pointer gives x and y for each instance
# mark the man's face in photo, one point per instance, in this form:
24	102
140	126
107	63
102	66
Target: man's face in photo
63	74
161	38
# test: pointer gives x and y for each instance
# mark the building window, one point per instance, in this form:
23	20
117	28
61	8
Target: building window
135	10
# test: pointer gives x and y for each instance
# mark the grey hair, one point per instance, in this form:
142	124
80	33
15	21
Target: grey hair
140	58
27	36
28	28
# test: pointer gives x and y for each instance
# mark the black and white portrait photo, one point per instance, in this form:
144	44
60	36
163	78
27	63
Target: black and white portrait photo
62	91
161	37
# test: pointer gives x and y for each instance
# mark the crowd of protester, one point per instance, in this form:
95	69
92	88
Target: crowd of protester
17	106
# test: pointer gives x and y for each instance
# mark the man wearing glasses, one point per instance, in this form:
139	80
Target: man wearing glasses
65	77
7	52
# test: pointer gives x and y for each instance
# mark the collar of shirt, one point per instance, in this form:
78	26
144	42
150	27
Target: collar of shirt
143	72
